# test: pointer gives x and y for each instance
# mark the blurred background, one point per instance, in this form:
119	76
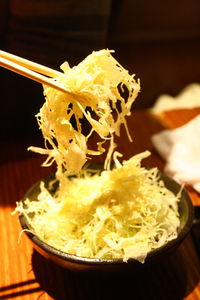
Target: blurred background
159	41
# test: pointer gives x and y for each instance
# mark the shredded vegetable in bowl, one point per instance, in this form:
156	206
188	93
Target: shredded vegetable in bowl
123	212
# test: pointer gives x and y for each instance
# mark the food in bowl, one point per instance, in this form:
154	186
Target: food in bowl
124	212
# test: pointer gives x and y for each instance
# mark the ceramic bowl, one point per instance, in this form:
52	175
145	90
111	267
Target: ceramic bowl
82	263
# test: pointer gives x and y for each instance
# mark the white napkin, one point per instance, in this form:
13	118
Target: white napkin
181	150
187	98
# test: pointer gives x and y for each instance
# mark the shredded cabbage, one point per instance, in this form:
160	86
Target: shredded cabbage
120	213
99	87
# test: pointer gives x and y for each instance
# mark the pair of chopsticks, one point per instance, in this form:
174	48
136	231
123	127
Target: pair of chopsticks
32	70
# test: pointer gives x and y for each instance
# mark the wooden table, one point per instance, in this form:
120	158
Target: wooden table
24	274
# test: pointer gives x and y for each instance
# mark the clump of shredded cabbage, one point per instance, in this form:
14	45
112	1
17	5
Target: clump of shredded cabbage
121	213
102	92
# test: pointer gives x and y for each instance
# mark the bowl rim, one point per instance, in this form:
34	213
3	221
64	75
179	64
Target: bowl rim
114	261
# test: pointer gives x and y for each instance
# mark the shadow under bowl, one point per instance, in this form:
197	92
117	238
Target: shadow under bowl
73	262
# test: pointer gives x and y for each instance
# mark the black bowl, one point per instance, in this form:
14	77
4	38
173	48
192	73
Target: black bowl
73	262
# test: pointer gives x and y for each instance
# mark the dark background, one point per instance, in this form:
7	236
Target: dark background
159	41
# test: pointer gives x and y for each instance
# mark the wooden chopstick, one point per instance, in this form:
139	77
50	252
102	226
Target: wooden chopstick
29	69
30	64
